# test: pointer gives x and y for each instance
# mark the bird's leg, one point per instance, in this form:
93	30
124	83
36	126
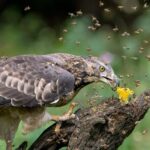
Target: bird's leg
68	115
8	145
35	118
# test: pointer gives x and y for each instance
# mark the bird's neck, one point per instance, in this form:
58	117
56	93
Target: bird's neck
82	70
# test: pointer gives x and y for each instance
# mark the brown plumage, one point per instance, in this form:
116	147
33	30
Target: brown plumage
28	84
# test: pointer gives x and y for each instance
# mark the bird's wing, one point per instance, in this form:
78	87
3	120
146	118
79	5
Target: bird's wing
30	81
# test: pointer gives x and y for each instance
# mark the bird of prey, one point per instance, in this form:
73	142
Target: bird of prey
30	83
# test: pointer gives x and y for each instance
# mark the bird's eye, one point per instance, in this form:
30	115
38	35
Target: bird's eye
101	68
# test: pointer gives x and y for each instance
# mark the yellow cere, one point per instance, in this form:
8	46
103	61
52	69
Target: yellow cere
124	94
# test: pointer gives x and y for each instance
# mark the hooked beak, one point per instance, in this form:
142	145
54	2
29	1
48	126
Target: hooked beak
113	81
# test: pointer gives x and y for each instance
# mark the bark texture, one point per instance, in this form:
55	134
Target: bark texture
101	127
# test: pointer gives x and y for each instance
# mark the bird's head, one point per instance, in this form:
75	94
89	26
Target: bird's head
104	72
107	75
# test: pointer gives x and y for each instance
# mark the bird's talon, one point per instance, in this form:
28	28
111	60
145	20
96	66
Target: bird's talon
66	117
72	116
57	128
77	118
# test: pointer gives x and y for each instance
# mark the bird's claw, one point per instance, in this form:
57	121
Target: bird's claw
66	116
57	128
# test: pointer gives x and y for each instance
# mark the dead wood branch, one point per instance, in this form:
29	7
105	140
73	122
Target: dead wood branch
101	127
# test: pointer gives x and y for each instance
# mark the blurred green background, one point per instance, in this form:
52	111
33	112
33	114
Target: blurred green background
121	27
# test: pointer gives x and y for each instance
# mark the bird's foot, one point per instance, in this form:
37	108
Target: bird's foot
68	115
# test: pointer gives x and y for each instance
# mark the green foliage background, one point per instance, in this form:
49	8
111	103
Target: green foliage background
31	35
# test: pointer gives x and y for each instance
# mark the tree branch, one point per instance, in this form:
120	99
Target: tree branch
103	127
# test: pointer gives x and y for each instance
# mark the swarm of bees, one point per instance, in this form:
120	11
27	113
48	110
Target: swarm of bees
95	25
